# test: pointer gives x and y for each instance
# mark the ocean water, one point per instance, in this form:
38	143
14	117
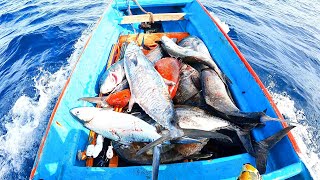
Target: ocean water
40	41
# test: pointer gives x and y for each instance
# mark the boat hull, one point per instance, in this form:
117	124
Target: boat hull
56	158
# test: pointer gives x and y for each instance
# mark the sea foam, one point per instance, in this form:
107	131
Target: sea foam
25	123
303	133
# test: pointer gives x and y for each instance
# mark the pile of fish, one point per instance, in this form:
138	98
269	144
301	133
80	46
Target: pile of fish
183	103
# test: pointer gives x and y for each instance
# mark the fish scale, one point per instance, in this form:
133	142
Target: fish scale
147	86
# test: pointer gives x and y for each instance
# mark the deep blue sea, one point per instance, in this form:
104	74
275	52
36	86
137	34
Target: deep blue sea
41	39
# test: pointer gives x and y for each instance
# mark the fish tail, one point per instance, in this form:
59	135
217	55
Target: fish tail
156	161
245	138
262	148
266	118
162	139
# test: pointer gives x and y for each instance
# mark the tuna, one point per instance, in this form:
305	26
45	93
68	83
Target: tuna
147	87
219	99
215	92
116	126
190	56
112	77
189	85
195	44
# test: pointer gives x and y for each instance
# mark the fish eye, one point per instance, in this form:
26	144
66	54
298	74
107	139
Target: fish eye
78	112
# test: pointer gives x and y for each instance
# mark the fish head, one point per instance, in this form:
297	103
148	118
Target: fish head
112	79
84	114
131	56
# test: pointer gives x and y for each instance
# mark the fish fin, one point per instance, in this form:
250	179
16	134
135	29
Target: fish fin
266	118
245	138
262	148
96	100
206	134
229	94
184	140
225	77
131	103
174	40
162	139
144	46
123	50
196	81
168	82
156	161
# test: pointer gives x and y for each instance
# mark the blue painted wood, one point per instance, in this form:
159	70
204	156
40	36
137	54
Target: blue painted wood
58	158
122	4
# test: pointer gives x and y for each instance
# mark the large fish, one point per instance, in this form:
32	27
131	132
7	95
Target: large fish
218	97
148	88
116	126
112	77
215	92
189	85
196	44
190	56
195	118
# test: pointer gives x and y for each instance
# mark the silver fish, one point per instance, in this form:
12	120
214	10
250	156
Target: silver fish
189	84
147	87
196	44
219	98
112	77
116	126
215	92
190	56
195	118
121	86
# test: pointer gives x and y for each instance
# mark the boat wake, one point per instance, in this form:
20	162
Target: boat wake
303	133
25	123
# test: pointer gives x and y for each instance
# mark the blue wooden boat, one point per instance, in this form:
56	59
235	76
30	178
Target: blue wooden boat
64	136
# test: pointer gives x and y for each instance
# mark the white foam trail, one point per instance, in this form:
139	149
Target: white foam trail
25	123
222	24
302	134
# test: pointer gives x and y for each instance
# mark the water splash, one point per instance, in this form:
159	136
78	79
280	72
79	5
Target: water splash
25	123
223	25
303	134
